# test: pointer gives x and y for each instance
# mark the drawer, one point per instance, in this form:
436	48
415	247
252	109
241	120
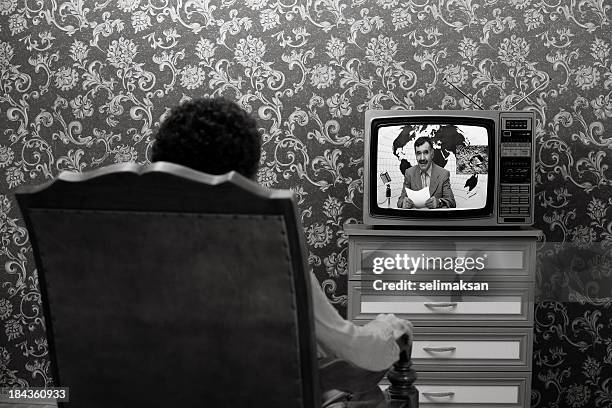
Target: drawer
469	348
472	389
508	304
372	256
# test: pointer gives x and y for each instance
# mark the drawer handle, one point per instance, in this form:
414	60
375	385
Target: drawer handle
441	304
439	349
439	394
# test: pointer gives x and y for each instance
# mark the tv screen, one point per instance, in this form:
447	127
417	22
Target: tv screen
455	153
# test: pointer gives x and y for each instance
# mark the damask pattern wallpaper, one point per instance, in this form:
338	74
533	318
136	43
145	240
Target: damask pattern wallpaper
84	84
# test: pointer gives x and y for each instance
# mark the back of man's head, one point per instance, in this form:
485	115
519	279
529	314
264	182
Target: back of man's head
212	135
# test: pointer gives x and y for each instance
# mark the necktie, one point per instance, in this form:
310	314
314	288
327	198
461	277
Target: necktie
424	180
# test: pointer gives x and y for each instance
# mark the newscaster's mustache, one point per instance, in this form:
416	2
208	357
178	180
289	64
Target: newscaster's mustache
422	161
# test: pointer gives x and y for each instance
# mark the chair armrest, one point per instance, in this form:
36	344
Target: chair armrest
402	377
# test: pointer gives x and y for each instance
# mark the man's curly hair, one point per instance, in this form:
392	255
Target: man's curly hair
212	135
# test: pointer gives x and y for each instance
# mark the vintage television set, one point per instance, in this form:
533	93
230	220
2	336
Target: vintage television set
489	155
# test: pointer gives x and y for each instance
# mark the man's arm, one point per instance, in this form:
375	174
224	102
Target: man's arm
372	347
403	196
448	198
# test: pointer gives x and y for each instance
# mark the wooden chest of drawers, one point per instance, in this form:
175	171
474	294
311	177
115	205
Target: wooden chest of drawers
472	348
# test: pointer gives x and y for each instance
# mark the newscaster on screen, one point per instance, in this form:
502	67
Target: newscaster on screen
461	150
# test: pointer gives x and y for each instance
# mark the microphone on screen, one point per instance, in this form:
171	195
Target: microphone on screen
384	176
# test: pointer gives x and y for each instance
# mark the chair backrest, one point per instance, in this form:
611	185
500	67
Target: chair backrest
166	287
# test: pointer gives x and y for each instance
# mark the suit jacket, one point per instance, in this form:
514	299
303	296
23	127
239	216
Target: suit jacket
439	184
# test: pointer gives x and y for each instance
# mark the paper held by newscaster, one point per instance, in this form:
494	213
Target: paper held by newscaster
418	197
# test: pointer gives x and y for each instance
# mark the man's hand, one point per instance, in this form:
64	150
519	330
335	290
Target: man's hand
399	326
407	203
432	202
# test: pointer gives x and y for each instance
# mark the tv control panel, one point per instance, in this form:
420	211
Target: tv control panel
516	168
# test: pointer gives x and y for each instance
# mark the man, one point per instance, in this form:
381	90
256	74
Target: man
427	174
216	136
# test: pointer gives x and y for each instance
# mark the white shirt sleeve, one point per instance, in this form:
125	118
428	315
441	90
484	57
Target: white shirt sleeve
371	347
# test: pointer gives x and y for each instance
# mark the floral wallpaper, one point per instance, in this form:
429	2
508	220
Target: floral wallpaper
84	84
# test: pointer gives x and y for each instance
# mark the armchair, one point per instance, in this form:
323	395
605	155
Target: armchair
164	286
